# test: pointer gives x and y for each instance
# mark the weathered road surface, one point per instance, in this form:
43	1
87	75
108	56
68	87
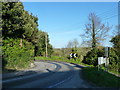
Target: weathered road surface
48	75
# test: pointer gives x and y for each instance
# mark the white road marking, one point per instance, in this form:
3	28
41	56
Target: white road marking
60	82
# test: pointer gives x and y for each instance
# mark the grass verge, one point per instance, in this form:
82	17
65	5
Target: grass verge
100	77
62	59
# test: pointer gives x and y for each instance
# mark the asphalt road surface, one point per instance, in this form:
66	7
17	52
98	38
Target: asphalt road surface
49	75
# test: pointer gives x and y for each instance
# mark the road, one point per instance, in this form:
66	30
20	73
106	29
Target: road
49	75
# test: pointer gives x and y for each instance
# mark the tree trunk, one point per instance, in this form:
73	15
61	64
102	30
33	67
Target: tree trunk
93	35
21	43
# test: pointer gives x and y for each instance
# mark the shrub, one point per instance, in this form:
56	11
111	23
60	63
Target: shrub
16	57
91	57
114	62
113	57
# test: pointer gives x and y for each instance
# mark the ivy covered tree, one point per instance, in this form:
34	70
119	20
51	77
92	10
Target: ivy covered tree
30	27
41	45
115	54
21	38
116	41
12	20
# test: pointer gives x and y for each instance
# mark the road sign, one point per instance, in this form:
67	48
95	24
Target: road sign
71	55
75	55
102	60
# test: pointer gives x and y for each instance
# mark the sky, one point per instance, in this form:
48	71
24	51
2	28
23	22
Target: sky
70	0
65	21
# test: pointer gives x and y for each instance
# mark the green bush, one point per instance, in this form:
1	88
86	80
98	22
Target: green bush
114	67
114	62
16	57
91	57
113	57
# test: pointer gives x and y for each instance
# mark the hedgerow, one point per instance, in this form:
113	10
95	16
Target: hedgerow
16	57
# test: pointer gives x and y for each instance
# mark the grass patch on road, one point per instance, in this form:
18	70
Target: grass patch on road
100	77
62	59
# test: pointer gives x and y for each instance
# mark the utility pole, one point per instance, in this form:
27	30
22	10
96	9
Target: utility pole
107	49
46	54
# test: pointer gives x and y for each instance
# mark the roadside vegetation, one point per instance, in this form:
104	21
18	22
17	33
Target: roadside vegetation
95	33
22	42
21	38
100	77
62	59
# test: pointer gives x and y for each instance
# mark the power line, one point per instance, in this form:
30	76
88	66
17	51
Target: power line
105	18
109	14
111	17
106	11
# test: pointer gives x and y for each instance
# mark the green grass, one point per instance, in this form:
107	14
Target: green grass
111	71
114	72
100	77
62	59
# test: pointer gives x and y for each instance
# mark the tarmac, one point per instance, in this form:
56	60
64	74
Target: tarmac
38	67
66	75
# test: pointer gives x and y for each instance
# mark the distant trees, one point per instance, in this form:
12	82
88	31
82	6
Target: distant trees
73	44
70	44
21	37
95	31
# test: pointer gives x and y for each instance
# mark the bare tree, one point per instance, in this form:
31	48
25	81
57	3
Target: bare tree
117	30
70	44
75	43
95	31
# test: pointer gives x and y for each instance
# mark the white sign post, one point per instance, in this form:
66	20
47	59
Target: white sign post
102	60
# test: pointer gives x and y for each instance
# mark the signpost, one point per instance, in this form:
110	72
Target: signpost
106	51
104	60
73	55
107	57
101	60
